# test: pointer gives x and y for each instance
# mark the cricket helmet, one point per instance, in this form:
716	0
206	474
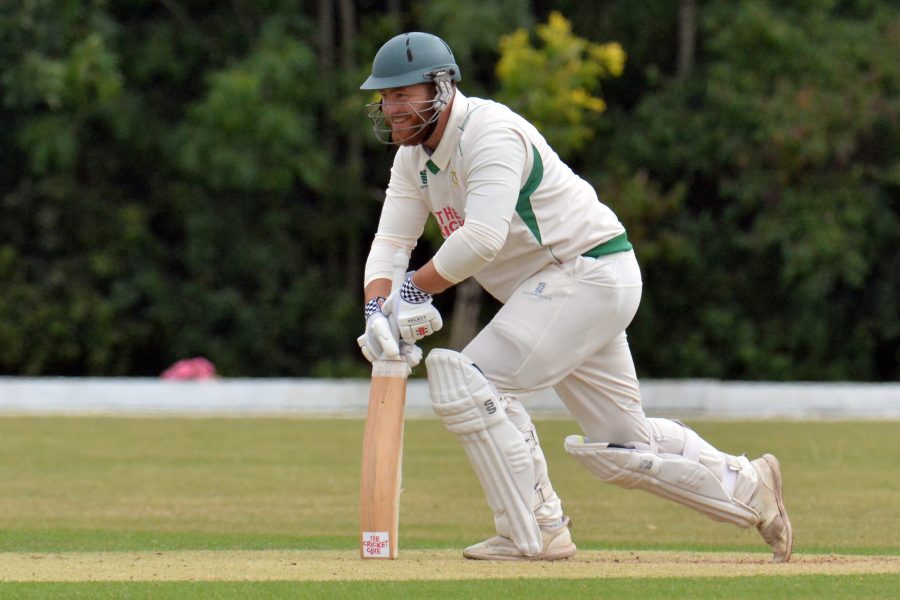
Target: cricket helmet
411	58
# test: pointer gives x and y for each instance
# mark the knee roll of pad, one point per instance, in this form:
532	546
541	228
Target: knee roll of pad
679	479
461	395
470	408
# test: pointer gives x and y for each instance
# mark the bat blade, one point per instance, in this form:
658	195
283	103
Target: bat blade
382	458
382	454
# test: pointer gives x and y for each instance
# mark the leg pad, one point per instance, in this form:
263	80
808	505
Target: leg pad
675	478
470	408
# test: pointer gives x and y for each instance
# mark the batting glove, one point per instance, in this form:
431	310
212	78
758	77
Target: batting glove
411	353
378	342
411	308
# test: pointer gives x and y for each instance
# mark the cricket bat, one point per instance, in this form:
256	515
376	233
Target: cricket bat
382	451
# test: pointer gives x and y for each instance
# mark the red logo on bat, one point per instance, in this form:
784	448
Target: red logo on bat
376	544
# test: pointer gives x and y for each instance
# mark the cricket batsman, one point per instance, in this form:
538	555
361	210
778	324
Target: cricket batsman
535	236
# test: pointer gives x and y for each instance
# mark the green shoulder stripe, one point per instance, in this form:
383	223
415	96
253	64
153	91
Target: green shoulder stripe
523	205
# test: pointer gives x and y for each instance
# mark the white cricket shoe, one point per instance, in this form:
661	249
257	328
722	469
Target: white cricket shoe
774	525
557	545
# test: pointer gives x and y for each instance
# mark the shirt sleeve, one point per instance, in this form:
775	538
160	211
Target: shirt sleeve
401	224
496	163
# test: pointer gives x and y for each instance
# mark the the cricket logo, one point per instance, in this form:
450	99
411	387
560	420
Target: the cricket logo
424	177
376	544
490	407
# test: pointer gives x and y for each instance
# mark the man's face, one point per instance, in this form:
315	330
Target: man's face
407	110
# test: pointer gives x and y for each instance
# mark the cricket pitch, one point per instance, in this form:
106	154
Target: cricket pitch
340	565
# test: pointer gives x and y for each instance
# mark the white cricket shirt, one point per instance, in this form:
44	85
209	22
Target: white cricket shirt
505	203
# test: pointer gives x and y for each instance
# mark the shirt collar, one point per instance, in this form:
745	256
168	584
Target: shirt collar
444	152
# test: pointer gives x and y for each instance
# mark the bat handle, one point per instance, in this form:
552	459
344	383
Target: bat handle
401	262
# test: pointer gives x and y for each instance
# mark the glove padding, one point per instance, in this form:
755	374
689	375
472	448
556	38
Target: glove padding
411	353
381	339
413	312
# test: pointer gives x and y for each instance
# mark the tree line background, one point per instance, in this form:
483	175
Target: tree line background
188	177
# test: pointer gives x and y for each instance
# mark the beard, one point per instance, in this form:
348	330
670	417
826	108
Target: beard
413	131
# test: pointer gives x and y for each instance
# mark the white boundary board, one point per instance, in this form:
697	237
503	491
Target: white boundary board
348	398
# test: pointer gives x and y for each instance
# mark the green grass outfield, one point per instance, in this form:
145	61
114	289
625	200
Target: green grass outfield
108	507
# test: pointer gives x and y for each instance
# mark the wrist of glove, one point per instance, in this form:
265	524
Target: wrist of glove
411	308
374	306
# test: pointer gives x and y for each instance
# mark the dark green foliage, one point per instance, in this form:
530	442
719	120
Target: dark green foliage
182	178
786	141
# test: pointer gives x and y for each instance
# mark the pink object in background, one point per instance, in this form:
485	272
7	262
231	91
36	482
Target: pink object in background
190	368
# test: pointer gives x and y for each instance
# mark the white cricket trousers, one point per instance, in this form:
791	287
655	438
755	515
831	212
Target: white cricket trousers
564	328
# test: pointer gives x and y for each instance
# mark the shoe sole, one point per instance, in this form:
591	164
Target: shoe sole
776	481
556	554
